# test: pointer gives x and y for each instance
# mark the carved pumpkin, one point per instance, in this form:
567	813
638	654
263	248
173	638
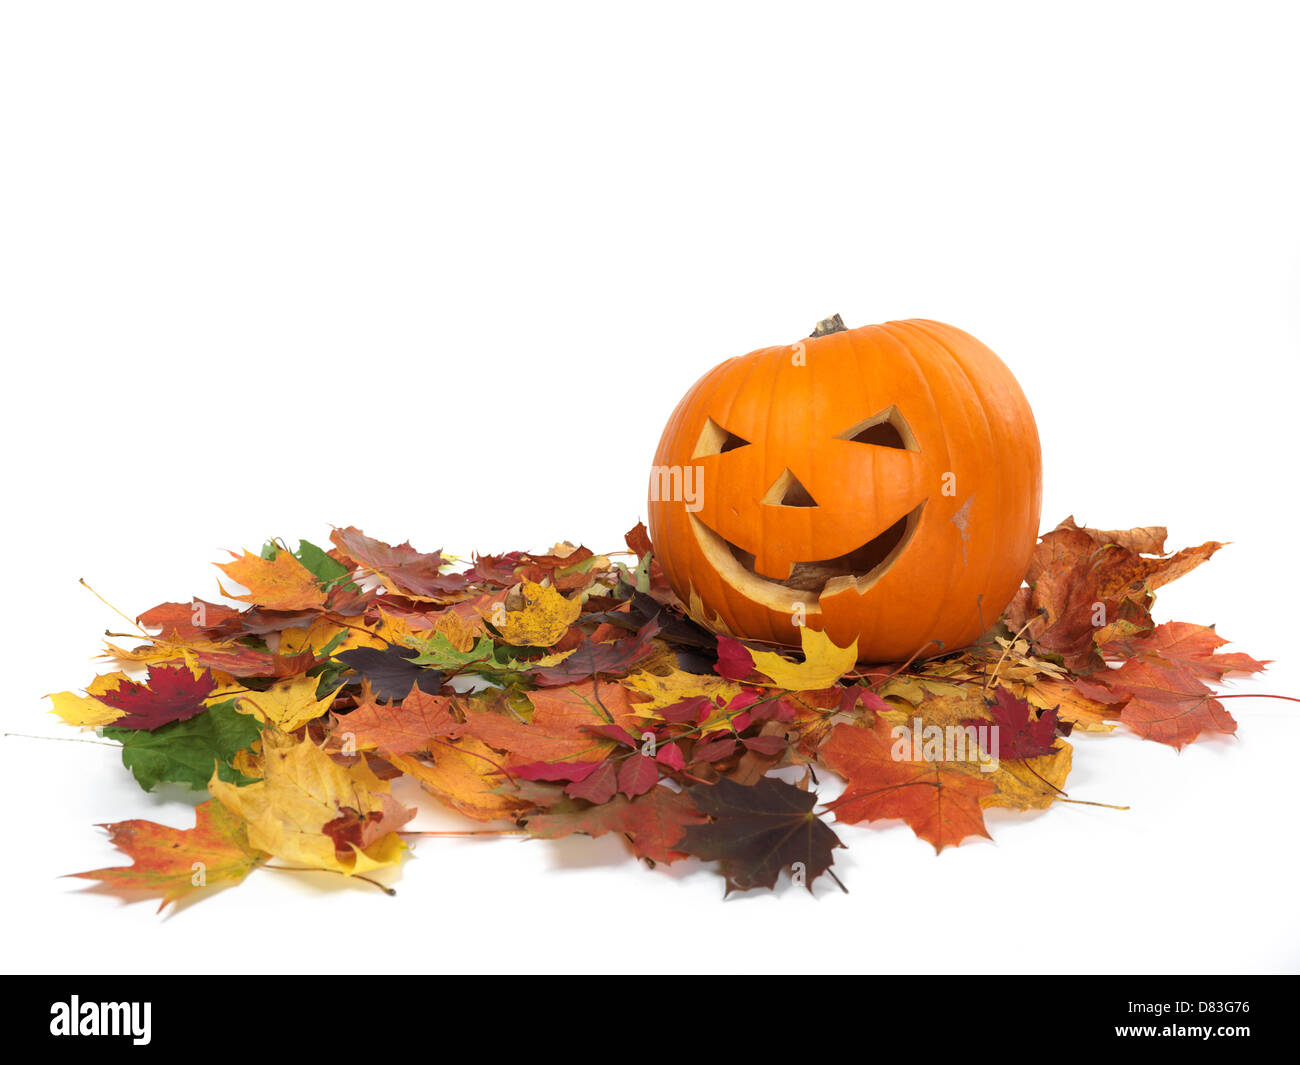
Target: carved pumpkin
881	484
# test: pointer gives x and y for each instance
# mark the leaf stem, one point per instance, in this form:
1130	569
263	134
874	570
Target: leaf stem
337	872
1005	651
129	621
63	739
467	832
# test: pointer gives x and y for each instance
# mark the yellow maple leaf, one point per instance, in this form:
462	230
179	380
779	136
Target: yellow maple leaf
385	632
823	663
1029	783
390	629
916	690
543	621
162	651
302	791
249	761
312	638
86	711
288	704
553	659
147	654
942	708
697	611
227	688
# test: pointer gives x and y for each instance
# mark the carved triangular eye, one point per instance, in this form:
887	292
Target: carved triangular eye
787	491
886	429
714	440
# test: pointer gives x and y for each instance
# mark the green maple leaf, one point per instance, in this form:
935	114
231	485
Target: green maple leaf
438	652
486	659
328	571
759	829
184	752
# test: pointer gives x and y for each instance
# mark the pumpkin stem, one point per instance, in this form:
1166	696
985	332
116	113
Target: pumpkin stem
833	324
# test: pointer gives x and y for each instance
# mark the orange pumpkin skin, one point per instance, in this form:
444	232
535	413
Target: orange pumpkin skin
890	475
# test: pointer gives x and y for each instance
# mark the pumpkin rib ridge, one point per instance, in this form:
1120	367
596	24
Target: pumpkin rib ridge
1008	398
942	603
991	455
957	348
922	374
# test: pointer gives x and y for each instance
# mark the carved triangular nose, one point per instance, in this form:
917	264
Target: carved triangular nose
786	491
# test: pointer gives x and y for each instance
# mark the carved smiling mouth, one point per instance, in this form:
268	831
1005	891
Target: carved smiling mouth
809	581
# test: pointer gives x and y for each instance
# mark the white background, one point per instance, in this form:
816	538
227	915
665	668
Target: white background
442	273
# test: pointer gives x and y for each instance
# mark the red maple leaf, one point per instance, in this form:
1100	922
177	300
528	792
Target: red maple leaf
734	660
637	775
1166	703
1020	734
408	569
172	693
591	657
1162	685
653	823
1181	643
598	785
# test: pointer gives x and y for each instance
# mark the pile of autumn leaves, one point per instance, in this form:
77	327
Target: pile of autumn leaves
568	692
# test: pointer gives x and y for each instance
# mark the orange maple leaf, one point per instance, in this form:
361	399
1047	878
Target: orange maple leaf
172	862
281	583
560	727
401	728
466	776
940	802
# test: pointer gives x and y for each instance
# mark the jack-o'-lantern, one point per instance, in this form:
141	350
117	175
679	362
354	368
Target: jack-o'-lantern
881	484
